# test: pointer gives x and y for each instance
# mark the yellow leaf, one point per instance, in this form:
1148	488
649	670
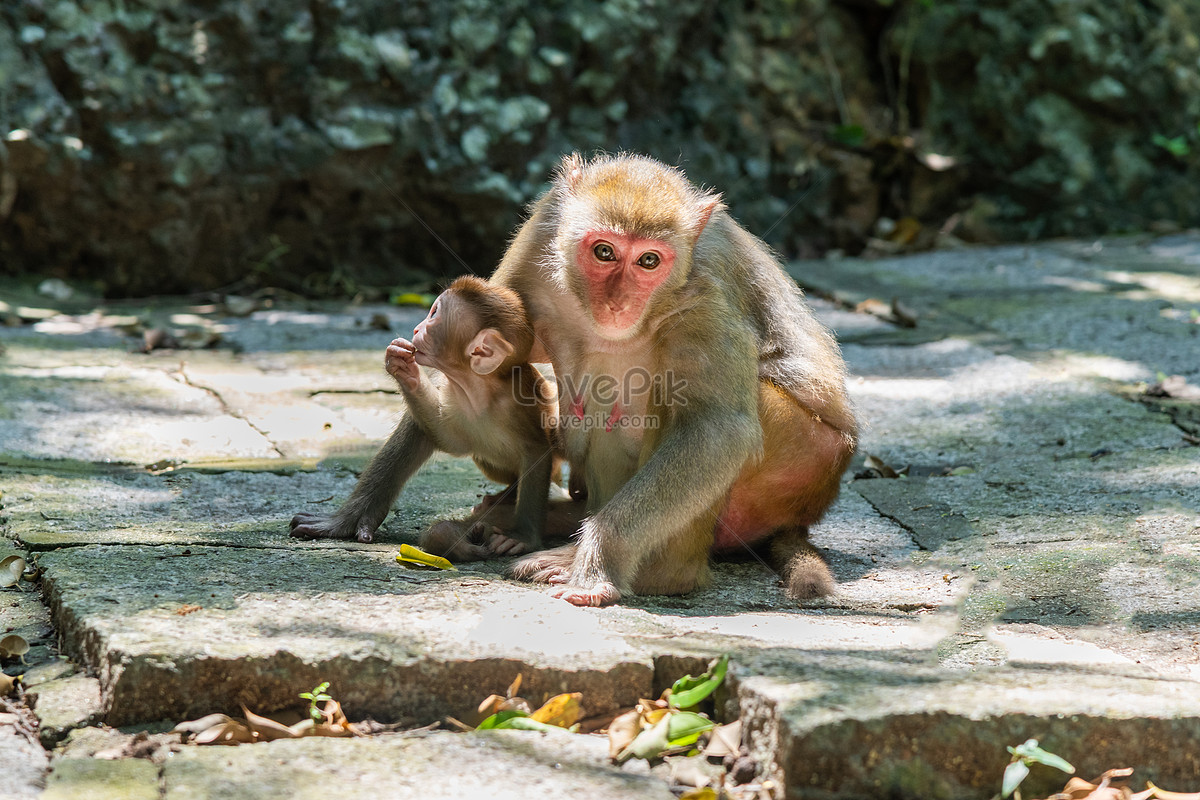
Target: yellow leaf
515	686
413	299
561	710
703	793
415	555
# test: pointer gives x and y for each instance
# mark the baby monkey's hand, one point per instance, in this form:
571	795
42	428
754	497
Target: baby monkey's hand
401	363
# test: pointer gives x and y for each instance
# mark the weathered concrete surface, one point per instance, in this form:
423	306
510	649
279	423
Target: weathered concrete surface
102	779
436	766
1034	575
24	760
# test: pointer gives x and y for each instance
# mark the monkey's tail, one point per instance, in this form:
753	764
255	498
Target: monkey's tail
805	573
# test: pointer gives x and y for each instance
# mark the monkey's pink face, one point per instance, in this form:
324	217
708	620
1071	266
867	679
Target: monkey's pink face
621	273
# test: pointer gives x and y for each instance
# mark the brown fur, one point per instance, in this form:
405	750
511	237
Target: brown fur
767	429
499	418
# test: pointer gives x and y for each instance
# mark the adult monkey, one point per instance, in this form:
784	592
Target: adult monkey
699	394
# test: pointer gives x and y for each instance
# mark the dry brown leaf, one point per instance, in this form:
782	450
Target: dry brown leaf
515	686
333	713
195	726
1163	794
494	704
1175	387
11	570
877	465
7	684
623	730
184	610
231	732
724	740
266	729
13	645
561	710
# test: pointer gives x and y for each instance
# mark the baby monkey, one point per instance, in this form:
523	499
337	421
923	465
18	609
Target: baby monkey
492	405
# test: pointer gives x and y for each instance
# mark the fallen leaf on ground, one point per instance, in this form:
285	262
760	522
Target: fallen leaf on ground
11	570
13	646
231	732
1175	387
725	739
874	466
267	730
410	555
623	730
184	610
562	710
7	684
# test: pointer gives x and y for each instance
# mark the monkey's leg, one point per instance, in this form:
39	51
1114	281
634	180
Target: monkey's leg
378	487
788	489
678	567
525	535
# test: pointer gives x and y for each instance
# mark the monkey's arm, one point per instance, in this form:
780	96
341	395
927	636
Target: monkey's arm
380	483
655	533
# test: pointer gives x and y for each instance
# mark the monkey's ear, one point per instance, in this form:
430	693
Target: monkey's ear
571	169
708	204
487	351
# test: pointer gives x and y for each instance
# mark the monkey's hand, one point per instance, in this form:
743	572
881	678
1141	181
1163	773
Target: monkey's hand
309	525
401	363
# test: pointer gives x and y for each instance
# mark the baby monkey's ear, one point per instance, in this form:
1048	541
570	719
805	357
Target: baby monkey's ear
487	351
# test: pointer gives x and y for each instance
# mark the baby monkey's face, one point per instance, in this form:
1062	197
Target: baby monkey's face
440	340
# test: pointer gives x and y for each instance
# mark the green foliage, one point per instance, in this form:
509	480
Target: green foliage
688	691
1025	755
317	695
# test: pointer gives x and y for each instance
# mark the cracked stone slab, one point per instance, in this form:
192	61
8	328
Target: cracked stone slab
117	414
244	508
953	403
493	764
868	728
63	704
175	632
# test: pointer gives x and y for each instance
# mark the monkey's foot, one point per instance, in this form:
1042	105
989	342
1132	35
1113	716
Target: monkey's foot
547	566
602	594
307	525
501	545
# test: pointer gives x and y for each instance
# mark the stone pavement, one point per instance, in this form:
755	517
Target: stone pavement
1034	574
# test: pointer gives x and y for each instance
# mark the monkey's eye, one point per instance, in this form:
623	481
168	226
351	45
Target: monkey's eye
649	260
604	251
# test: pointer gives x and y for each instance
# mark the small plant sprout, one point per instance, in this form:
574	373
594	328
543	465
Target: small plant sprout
318	695
1024	756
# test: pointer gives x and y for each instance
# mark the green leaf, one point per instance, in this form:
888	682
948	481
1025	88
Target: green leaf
850	135
685	727
1014	773
499	719
514	720
688	691
650	743
1030	752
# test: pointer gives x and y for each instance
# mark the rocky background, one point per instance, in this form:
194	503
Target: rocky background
340	146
